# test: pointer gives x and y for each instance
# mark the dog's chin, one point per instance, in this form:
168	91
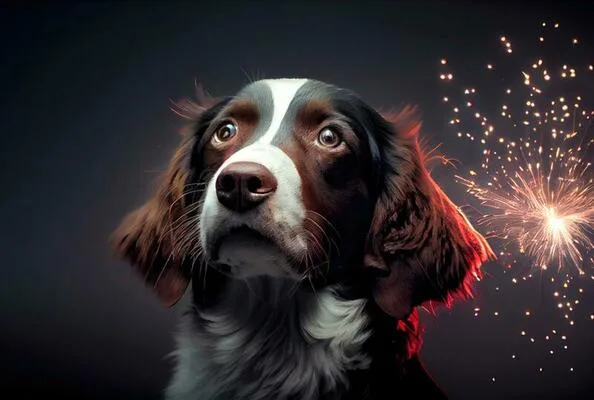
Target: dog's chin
245	253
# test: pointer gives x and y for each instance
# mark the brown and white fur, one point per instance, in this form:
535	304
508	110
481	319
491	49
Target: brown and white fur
310	230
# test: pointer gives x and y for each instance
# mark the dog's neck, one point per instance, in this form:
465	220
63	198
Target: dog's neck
262	297
271	338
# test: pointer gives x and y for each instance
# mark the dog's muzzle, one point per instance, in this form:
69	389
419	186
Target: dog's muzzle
253	213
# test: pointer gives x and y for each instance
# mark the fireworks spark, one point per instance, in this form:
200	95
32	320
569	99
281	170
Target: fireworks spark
543	203
535	184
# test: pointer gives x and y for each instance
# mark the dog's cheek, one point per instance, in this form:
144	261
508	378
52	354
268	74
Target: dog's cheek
346	196
339	173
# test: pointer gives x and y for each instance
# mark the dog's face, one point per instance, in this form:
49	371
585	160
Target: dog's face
300	179
290	192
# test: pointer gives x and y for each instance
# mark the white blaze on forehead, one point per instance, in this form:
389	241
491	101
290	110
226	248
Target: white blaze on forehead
283	91
284	209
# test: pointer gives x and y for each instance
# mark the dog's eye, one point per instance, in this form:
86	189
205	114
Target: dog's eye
225	132
329	138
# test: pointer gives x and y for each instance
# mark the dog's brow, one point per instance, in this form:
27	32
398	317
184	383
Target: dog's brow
315	111
242	109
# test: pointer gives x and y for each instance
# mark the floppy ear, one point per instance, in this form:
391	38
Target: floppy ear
420	239
148	237
159	239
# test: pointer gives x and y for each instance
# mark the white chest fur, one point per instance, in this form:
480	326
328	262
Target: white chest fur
261	343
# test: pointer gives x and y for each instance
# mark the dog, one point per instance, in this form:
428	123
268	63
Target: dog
310	230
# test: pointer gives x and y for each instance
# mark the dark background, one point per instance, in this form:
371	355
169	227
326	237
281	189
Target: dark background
85	126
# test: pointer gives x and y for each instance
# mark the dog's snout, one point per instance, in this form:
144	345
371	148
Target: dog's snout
241	186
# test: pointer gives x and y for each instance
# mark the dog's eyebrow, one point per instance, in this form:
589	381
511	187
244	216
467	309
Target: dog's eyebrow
242	109
315	111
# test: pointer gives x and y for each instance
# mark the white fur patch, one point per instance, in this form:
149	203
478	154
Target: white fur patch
283	92
248	350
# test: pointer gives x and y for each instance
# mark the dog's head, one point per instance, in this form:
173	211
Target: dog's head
301	179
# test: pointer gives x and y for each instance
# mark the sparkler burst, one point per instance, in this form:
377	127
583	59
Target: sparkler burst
543	202
535	186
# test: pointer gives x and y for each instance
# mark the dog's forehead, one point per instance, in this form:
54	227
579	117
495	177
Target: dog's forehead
285	92
278	102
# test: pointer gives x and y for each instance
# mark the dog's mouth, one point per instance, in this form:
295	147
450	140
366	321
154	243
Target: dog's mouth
244	252
240	234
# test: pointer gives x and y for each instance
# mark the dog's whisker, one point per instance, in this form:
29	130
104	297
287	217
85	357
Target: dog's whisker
315	224
326	221
162	271
320	248
309	267
331	242
315	241
333	237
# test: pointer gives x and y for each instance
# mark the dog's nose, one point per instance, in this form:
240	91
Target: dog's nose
241	186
